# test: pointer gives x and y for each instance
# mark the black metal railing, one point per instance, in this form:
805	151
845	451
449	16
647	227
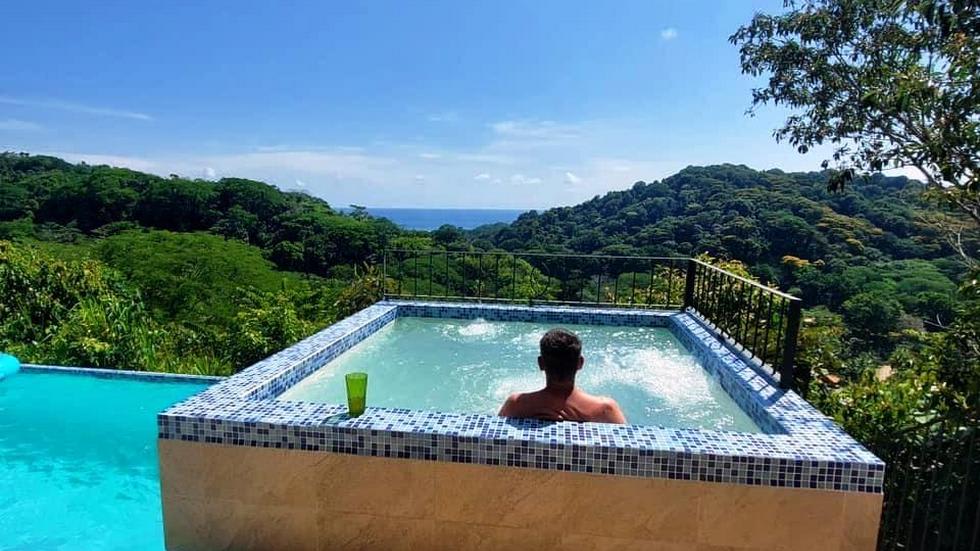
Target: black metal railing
932	487
654	282
760	321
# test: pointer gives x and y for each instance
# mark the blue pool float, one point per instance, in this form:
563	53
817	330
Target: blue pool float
8	365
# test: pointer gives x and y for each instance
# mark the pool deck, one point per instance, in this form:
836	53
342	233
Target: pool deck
800	448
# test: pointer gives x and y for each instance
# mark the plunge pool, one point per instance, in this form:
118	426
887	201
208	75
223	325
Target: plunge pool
473	365
270	459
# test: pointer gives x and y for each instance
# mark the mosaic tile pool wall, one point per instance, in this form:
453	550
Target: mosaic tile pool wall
799	450
802	447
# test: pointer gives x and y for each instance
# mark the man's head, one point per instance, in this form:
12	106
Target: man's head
561	355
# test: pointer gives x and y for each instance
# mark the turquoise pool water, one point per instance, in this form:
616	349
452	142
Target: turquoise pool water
473	365
78	465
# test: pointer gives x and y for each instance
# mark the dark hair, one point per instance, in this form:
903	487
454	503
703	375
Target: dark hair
560	351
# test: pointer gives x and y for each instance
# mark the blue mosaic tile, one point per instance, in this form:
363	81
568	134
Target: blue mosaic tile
799	446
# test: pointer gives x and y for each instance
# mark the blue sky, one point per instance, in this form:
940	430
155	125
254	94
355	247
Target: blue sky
441	104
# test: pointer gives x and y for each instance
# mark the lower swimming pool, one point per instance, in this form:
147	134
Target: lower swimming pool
473	365
78	465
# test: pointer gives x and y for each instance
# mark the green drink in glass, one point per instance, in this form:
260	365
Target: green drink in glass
356	393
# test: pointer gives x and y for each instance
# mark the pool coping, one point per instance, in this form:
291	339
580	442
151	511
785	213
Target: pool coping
802	449
105	373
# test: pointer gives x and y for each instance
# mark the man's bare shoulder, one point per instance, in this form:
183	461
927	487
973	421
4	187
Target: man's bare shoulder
593	400
511	404
606	409
611	411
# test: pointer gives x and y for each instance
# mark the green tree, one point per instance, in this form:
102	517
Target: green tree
265	324
103	196
365	289
191	278
888	83
447	236
238	223
175	204
107	331
71	312
15	202
872	315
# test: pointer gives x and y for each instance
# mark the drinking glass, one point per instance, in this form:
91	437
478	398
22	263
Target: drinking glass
356	393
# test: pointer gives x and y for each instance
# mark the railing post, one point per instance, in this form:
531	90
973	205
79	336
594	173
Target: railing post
689	284
787	371
384	274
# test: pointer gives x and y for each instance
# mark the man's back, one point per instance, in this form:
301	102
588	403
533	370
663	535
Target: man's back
560	400
558	405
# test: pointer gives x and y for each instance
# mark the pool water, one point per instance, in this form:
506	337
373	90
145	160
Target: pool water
78	464
473	365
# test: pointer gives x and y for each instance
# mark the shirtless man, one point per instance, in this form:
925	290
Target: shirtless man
560	359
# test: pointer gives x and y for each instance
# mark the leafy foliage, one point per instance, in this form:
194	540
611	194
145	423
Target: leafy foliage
889	83
786	228
871	314
191	277
365	289
296	231
61	310
119	268
71	312
266	323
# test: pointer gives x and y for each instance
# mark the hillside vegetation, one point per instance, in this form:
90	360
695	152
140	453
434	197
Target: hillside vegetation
51	199
116	268
787	229
112	267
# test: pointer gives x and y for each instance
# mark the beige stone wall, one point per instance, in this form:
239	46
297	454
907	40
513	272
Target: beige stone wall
227	497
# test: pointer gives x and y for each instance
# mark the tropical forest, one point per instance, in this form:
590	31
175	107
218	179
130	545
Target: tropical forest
105	266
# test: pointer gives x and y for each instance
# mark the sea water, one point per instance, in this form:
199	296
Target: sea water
78	462
431	219
473	365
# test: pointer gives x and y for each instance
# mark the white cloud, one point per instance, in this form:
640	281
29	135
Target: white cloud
540	130
430	155
75	108
444	116
337	164
669	33
521	180
17	125
499	172
908	171
601	174
486	158
520	163
275	148
399	173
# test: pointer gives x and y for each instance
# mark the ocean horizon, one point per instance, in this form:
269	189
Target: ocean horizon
430	219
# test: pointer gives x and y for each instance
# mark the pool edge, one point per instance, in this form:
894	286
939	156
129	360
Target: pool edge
104	373
238	411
